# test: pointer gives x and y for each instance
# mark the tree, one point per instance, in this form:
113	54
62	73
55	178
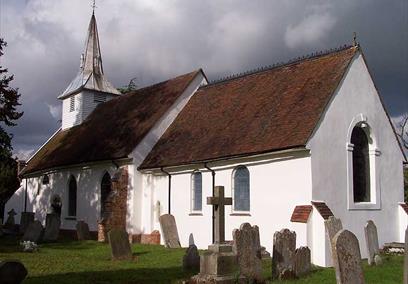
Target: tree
9	97
403	133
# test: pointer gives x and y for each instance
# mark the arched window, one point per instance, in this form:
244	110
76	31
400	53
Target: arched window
197	191
72	196
106	187
361	165
241	189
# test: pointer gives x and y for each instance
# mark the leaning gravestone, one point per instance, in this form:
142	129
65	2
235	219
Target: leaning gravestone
169	230
332	225
34	232
83	233
26	219
371	237
406	257
191	260
284	245
12	272
119	243
347	253
248	250
10	222
52	227
302	262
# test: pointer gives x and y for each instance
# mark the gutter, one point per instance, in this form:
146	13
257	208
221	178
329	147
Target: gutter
169	175
213	210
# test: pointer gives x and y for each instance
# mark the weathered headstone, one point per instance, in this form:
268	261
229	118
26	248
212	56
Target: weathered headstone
406	257
52	227
347	253
371	238
284	245
191	260
190	239
26	219
302	261
119	243
10	222
56	204
248	250
12	272
169	230
34	232
332	225
83	233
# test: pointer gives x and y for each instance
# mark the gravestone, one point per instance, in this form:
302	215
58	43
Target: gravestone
219	264
83	233
10	222
52	227
371	238
406	257
191	260
119	243
169	230
34	232
1	229
284	246
26	219
12	272
347	253
332	225
302	262
56	204
248	250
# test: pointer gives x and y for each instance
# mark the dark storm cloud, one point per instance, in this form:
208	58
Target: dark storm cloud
154	40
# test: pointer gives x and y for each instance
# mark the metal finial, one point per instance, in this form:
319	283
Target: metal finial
93	7
355	39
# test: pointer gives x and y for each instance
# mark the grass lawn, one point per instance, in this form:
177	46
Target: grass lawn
89	262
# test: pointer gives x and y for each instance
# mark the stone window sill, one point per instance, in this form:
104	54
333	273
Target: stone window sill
195	214
364	206
70	218
240	214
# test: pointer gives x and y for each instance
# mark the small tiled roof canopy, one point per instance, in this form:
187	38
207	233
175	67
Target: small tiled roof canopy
301	213
323	209
404	206
113	129
270	110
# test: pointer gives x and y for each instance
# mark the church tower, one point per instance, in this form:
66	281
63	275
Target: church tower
90	87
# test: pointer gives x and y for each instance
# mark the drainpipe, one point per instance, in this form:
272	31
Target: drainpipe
169	175
25	196
213	210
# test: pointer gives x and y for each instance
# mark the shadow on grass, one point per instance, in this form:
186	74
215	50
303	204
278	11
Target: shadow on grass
128	276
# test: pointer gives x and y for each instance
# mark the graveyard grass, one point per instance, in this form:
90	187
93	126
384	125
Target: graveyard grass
90	262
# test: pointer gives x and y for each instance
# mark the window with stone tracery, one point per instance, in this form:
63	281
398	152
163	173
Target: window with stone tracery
241	190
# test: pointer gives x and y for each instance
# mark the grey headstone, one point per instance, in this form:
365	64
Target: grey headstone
83	233
347	253
302	261
12	272
191	260
52	227
371	238
26	219
169	231
119	243
34	232
264	253
248	249
406	257
284	245
10	222
378	260
332	225
190	240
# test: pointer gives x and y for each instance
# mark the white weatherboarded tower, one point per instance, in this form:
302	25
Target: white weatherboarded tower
89	87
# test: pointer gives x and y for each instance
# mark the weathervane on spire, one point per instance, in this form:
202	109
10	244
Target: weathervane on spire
93	7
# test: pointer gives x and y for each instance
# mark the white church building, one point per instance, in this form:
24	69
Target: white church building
292	144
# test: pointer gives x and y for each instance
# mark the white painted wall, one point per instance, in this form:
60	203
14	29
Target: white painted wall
277	184
357	97
403	223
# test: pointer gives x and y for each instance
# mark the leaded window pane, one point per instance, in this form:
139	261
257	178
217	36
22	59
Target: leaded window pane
197	191
361	166
72	197
241	189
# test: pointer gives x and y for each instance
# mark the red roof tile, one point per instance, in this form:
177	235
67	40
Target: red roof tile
265	111
405	207
301	213
113	129
323	209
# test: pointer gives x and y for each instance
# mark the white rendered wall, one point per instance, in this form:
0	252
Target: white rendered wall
357	96
277	184
403	223
88	194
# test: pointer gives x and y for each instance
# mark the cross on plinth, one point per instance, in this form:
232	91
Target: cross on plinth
219	201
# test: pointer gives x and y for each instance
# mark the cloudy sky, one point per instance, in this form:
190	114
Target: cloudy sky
155	40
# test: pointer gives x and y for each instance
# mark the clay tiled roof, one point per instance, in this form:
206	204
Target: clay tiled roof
405	207
301	213
265	111
323	209
113	129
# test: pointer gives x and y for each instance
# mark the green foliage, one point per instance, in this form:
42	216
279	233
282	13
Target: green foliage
90	262
8	115
130	87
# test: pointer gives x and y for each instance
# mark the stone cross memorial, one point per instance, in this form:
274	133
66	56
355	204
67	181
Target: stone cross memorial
371	237
284	246
347	253
219	264
169	230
